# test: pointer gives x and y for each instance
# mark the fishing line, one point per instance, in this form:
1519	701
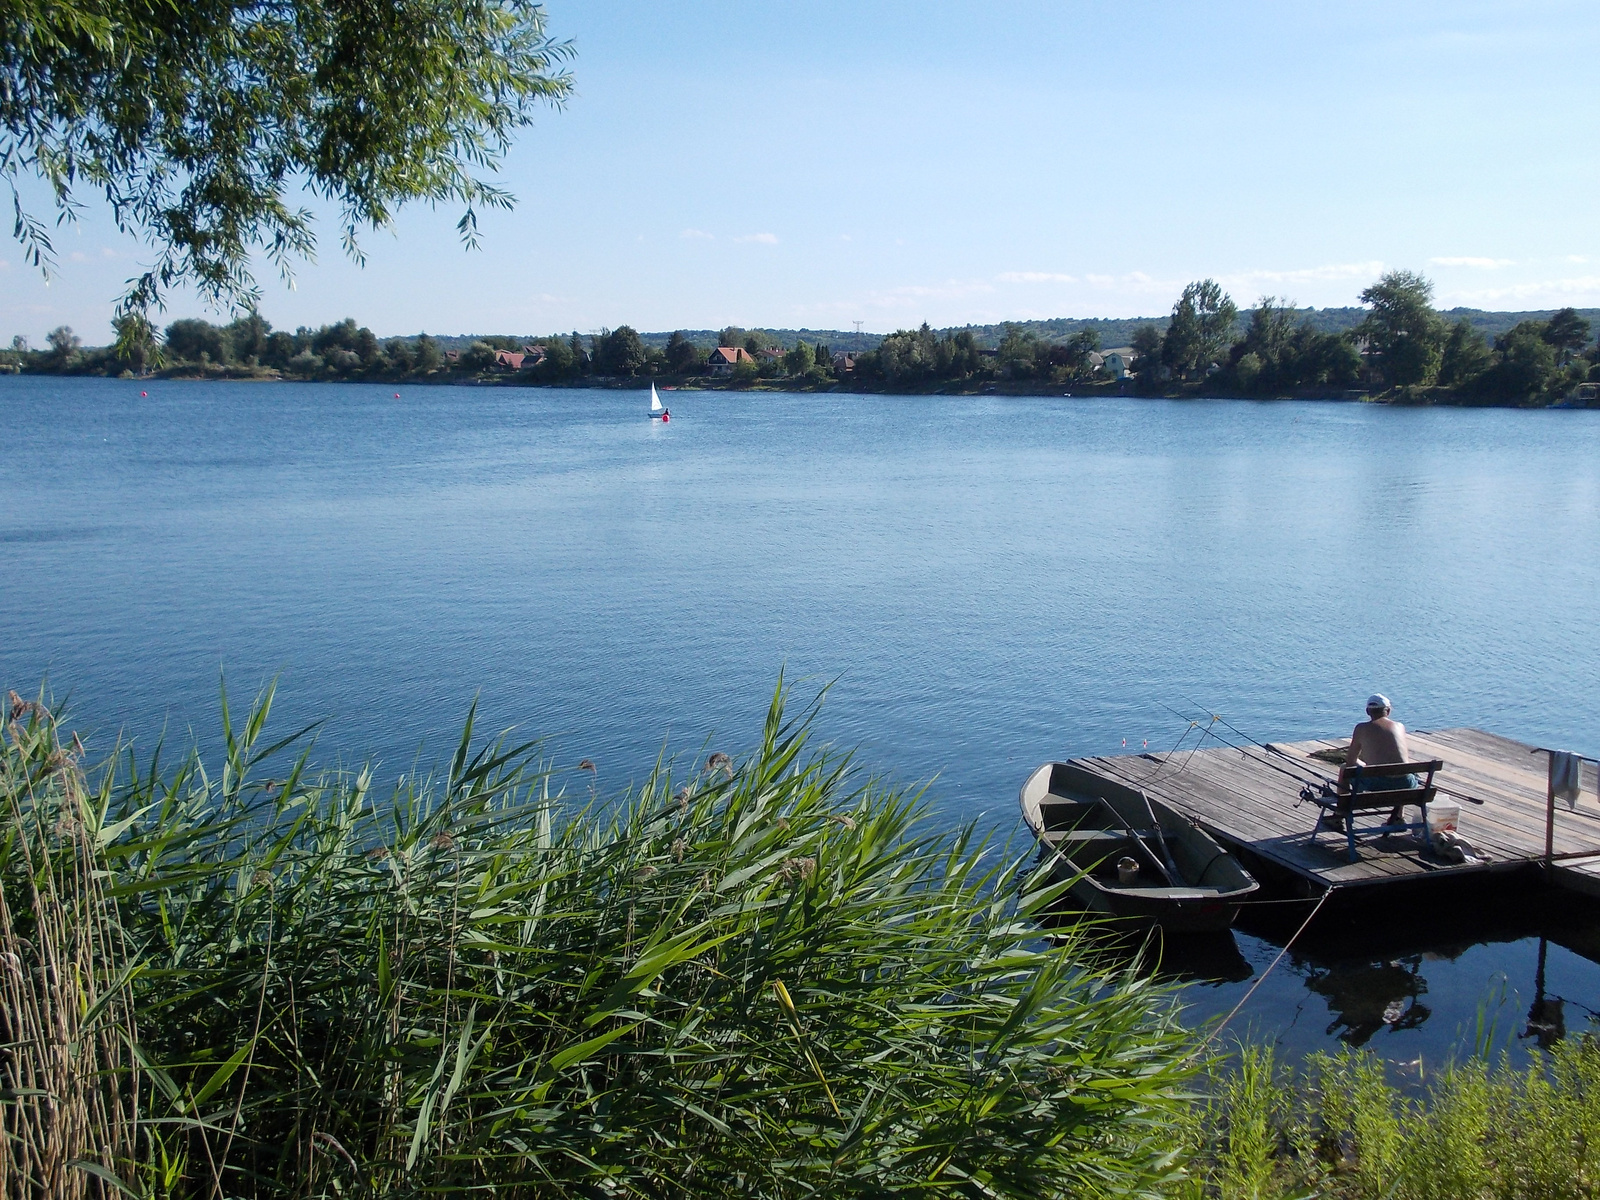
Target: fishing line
1295	773
1298	775
1162	762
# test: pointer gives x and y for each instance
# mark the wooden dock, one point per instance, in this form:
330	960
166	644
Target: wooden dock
1248	798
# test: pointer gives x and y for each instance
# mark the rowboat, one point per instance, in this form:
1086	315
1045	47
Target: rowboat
1129	856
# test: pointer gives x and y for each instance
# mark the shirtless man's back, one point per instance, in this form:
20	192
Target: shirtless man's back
1379	739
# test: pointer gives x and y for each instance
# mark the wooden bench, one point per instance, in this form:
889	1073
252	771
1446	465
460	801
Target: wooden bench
1345	804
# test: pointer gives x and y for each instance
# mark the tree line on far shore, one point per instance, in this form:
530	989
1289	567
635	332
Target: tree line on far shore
249	347
1403	348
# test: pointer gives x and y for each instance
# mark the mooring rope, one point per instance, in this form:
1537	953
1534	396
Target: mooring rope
1211	1037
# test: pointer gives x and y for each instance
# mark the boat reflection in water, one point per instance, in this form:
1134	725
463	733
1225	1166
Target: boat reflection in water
1189	958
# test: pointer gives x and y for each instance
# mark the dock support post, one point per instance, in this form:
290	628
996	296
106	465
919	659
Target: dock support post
1549	813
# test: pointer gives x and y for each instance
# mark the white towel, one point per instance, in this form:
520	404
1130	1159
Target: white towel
1566	775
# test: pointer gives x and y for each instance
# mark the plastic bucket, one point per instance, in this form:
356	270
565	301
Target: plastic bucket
1444	816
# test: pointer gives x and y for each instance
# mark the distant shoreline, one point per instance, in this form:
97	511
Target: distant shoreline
1401	351
1112	390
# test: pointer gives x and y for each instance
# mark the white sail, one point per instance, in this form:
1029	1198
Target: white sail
655	400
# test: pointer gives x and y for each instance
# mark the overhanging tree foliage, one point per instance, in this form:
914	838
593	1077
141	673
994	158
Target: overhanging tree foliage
196	120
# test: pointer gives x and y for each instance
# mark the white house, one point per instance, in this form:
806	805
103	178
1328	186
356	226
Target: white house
1117	363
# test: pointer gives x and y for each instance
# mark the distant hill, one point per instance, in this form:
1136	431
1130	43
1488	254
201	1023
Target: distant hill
1114	331
838	339
1118	331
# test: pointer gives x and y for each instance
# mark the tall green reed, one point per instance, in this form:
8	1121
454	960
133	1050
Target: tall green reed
769	976
1339	1127
68	1089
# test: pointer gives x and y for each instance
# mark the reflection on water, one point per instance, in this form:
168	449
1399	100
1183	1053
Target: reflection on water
1547	1019
1364	997
1502	970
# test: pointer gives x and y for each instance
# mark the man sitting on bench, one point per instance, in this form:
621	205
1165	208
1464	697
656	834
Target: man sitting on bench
1376	742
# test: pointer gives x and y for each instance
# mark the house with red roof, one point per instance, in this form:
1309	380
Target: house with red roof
725	358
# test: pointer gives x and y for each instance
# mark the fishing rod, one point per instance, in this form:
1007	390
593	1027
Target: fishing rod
1216	718
1321	778
1163	763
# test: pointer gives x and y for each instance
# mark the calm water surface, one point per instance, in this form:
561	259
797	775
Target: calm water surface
991	582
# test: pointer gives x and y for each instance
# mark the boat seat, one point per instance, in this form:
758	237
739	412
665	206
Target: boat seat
1058	837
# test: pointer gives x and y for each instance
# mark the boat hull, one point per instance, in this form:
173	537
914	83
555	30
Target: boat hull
1180	878
1199	914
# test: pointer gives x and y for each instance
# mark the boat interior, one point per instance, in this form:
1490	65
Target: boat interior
1094	832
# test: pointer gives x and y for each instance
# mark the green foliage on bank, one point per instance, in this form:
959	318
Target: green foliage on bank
764	976
1340	1127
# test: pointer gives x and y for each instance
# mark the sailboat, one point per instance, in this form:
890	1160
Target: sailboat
655	403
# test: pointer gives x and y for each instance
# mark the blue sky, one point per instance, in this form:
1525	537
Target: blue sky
815	164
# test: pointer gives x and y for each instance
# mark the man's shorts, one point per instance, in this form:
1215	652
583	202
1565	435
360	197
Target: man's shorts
1383	783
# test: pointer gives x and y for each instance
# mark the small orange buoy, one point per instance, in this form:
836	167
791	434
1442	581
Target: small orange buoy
665	416
144	393
397	395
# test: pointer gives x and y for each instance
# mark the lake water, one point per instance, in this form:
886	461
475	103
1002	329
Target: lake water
988	582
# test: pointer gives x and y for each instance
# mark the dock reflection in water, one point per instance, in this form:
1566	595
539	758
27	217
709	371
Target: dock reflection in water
1513	974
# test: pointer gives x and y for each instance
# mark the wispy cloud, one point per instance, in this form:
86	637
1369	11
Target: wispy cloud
697	235
1545	293
1468	260
108	252
1355	270
1035	277
766	239
78	256
911	297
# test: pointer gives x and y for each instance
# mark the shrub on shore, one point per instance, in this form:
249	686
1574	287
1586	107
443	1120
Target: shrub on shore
768	977
1337	1127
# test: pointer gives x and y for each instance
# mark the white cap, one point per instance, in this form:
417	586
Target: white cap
1377	700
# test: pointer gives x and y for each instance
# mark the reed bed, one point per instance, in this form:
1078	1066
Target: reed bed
767	976
1338	1127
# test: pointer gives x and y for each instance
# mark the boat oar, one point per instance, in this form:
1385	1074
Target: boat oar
1161	839
1172	876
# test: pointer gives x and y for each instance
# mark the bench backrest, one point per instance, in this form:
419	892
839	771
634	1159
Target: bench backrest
1378	799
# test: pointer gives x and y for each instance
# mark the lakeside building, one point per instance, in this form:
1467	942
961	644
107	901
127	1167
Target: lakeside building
724	359
1117	363
529	358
